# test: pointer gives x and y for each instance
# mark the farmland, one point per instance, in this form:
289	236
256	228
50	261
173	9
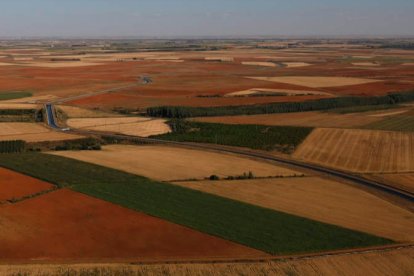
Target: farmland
172	163
320	199
14	185
397	262
364	150
271	231
283	139
31	132
136	126
96	191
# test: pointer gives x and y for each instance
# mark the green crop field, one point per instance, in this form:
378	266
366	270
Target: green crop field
14	95
283	138
271	231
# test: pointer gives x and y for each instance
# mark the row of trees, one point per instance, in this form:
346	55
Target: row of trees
313	105
12	146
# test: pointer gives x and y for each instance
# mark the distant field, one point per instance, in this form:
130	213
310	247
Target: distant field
136	126
173	163
31	132
359	150
403	122
14	95
316	82
320	199
259	63
78	112
276	92
306	119
271	231
281	138
389	262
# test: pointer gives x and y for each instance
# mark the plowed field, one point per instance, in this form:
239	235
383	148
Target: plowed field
67	226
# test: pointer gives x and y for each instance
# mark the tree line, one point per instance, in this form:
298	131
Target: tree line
286	107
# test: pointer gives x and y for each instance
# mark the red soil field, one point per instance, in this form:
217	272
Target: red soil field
67	226
15	185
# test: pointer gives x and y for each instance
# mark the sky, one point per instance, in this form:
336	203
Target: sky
181	18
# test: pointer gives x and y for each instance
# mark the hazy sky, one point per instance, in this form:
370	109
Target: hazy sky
205	17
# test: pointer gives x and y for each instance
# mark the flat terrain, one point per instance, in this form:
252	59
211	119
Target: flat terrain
307	119
276	92
390	262
31	132
14	185
320	199
172	163
316	82
136	126
83	228
404	181
261	228
359	150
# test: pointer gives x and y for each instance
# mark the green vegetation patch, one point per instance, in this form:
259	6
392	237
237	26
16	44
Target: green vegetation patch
282	138
12	146
394	123
14	95
271	231
364	108
20	115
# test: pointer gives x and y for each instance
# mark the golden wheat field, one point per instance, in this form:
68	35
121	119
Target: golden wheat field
32	132
385	262
78	112
319	199
136	126
360	151
173	163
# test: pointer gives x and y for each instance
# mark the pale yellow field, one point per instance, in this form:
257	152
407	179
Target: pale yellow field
78	112
359	150
365	64
309	119
296	64
316	82
258	63
6	64
11	105
31	132
385	262
136	126
31	100
219	58
276	91
318	199
403	181
173	163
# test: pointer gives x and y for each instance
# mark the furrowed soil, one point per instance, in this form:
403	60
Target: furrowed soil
173	163
320	199
65	226
362	151
14	185
386	262
32	132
